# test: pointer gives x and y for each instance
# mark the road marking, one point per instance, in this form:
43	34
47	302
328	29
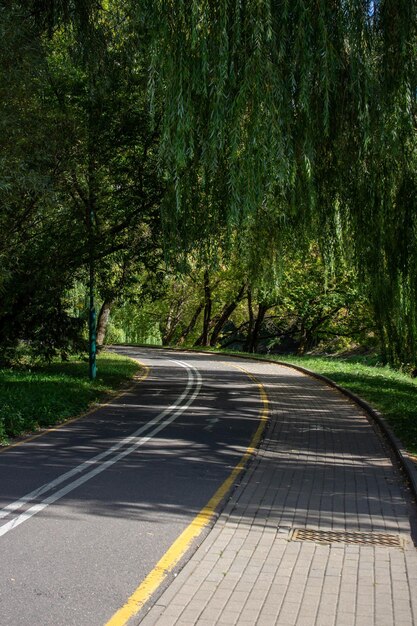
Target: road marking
180	546
175	409
95	459
137	379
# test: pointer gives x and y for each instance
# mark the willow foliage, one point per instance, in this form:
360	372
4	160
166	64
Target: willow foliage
253	91
283	121
300	115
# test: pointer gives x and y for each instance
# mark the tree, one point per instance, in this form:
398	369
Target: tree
274	125
81	184
36	235
303	112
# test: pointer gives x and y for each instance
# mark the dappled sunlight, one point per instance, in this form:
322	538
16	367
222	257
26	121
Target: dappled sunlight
327	464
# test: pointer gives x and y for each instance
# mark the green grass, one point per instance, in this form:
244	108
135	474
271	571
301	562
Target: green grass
44	395
393	393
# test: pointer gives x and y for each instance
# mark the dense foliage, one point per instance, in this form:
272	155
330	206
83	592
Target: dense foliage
77	141
266	148
305	309
299	120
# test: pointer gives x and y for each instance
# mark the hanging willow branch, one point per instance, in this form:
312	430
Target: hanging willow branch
284	121
299	113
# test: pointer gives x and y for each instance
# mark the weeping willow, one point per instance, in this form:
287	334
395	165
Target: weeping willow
303	114
284	121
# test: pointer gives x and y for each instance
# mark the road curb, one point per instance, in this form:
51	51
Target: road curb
395	444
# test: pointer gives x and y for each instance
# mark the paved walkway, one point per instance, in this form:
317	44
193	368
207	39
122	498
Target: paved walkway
321	467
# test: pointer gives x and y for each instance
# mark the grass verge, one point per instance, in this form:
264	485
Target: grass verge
44	395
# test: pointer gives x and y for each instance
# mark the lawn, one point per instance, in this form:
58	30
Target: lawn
44	395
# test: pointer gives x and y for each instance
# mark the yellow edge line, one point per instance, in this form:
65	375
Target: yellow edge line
137	378
177	550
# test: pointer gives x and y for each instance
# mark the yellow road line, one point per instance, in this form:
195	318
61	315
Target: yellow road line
137	378
180	546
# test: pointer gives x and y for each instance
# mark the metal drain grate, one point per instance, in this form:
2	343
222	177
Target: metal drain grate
341	536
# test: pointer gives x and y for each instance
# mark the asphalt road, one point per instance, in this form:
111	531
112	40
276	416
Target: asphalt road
86	511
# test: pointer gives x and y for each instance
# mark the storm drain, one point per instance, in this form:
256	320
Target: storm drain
341	536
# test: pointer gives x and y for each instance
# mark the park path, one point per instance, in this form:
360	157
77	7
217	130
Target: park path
88	509
316	534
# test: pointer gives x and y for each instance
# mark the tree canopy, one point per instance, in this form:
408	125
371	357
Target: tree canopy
232	132
299	119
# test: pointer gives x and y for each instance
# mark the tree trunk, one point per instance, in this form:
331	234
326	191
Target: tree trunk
203	339
170	328
304	340
103	319
254	336
192	324
172	322
224	316
308	333
245	347
166	335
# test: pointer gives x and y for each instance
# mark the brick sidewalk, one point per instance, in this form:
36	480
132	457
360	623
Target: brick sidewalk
321	467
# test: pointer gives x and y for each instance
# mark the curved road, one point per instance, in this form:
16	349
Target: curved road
87	510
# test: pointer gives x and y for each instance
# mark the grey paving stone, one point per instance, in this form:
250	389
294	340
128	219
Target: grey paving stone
346	619
320	466
228	617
